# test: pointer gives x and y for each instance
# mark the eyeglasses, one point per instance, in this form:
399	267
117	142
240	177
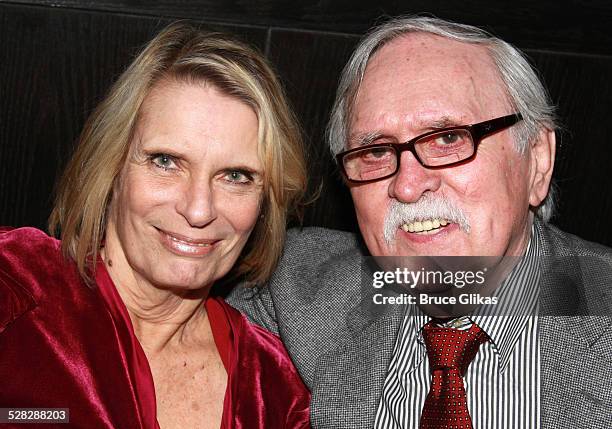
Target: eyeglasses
439	148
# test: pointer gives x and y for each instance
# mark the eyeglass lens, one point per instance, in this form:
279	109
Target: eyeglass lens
434	150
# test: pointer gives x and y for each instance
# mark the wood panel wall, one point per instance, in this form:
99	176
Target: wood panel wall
57	59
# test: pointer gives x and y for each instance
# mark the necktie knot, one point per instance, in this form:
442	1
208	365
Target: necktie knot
450	348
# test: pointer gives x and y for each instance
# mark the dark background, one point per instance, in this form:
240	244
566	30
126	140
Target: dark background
57	59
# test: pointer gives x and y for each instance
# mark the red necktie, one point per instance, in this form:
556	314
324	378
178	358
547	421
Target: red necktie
450	352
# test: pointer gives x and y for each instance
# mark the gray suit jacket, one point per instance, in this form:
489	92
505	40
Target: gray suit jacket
342	352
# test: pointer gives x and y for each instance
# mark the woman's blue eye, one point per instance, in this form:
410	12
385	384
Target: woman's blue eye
238	176
163	160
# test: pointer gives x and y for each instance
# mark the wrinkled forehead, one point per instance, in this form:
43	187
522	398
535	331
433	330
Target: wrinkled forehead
425	76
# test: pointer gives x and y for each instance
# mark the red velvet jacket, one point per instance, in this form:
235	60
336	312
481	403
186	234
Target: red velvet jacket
66	345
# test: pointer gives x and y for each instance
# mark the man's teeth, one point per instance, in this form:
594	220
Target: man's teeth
425	225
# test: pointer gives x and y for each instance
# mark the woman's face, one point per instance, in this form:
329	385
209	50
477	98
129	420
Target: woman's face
190	191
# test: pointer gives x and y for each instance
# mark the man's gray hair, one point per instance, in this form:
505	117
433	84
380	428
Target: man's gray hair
525	91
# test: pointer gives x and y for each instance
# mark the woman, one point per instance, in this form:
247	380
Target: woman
183	173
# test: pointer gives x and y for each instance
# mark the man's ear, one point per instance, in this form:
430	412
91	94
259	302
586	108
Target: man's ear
542	153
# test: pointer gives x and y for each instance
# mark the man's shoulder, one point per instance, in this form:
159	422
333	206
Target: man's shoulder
314	257
578	273
561	243
321	243
319	268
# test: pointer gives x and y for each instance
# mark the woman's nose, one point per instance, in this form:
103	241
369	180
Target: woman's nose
196	203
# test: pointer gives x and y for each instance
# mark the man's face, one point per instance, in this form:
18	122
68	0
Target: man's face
418	83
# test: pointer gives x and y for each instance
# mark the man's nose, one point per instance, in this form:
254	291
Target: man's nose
412	180
197	203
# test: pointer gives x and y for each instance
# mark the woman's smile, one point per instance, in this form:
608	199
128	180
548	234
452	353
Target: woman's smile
186	246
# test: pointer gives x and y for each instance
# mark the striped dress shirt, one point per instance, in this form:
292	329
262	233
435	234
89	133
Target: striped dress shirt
502	382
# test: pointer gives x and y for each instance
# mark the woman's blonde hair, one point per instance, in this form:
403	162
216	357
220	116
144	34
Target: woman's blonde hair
184	53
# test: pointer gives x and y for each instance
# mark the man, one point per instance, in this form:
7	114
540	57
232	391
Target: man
446	138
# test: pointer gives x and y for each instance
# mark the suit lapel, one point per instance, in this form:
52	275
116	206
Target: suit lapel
349	379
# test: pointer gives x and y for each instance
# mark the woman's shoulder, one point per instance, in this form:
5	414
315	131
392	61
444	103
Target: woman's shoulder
29	252
24	243
31	266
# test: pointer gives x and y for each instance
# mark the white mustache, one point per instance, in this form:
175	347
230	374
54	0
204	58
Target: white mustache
429	206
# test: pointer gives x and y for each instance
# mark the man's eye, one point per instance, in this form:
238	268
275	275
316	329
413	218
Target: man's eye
379	153
376	154
448	138
163	160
